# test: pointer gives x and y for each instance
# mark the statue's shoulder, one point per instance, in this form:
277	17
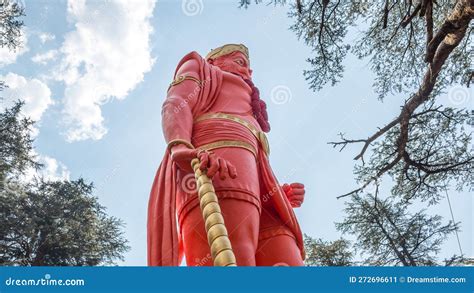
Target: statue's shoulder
191	63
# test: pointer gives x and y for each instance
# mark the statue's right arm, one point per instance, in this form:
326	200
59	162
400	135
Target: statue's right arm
177	121
177	117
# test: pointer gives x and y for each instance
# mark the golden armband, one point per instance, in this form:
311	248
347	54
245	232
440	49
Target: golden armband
179	141
182	78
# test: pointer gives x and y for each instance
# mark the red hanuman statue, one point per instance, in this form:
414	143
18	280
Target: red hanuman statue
213	112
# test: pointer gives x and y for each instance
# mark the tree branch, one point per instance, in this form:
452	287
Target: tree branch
455	25
367	141
408	18
439	47
429	23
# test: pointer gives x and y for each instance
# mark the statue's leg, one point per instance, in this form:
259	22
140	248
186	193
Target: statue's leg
277	244
278	250
242	221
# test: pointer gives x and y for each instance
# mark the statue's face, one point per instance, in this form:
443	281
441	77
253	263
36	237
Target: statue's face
235	63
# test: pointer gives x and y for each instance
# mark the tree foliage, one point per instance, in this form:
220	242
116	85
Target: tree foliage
58	223
49	222
325	253
417	50
16	143
388	234
10	27
45	222
10	23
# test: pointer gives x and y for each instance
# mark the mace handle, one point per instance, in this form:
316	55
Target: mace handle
217	236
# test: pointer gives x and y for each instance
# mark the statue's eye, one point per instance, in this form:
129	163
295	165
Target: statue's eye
240	62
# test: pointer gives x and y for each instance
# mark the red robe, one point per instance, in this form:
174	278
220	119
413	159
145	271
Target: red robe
164	243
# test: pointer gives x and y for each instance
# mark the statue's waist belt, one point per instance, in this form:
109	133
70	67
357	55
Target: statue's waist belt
229	144
260	135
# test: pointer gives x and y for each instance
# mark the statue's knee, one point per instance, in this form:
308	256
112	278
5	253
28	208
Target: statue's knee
244	253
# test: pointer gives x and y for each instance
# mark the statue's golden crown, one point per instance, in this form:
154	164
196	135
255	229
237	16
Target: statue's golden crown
227	49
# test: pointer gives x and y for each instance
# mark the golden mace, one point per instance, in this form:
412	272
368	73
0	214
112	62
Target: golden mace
221	249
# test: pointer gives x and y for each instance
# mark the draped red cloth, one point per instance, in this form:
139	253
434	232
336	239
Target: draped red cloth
164	243
281	202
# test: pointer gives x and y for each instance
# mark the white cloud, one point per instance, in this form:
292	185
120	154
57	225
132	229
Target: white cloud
8	56
44	58
52	169
35	94
106	56
46	37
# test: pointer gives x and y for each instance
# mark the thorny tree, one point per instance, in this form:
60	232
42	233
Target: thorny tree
417	49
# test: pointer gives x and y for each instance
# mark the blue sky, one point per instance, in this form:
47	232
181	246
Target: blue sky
107	68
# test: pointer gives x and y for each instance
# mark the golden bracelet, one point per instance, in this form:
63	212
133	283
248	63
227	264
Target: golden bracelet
182	78
179	141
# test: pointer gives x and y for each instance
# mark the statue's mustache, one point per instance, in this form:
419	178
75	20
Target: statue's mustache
234	68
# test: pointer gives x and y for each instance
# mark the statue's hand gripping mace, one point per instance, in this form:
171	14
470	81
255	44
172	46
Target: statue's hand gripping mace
221	249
